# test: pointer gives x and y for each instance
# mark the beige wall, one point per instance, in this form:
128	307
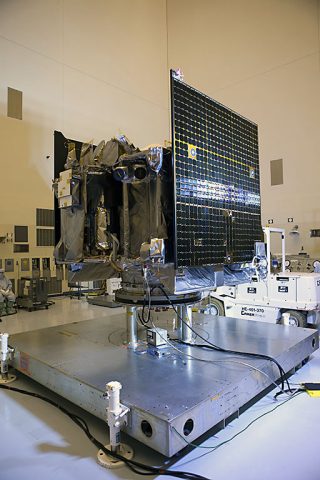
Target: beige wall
262	59
91	69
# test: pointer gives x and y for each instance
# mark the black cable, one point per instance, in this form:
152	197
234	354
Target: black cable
255	355
144	321
299	390
132	464
212	346
213	448
141	321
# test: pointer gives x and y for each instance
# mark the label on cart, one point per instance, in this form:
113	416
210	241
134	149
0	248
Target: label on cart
283	289
252	311
251	290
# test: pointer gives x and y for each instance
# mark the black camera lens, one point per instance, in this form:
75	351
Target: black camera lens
140	173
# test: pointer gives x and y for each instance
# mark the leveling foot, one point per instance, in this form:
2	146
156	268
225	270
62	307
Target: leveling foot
117	417
7	378
108	461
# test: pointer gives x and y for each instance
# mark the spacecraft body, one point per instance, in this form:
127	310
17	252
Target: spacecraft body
188	213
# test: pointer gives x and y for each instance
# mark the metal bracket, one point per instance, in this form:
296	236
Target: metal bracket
117	417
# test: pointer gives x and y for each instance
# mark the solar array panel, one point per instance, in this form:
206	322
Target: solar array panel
217	189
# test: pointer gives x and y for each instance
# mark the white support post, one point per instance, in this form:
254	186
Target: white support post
267	231
267	234
114	412
283	250
5	354
116	418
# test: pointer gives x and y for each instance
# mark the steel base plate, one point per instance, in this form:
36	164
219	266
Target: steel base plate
9	379
171	396
108	461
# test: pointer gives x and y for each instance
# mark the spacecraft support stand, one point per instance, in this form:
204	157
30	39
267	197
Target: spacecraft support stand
116	418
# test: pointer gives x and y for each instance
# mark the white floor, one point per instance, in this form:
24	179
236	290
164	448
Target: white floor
63	311
38	441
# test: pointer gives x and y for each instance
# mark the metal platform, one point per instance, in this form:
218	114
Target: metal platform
168	393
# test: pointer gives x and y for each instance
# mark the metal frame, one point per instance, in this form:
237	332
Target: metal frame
161	386
267	231
175	259
229	212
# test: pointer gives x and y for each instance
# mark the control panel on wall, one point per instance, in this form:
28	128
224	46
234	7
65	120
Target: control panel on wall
25	264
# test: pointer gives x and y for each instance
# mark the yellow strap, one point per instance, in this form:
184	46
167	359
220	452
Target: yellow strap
214	153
